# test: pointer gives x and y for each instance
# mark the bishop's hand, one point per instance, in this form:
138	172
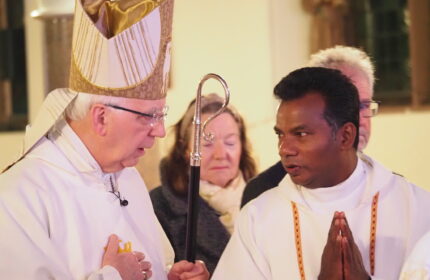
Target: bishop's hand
184	270
130	265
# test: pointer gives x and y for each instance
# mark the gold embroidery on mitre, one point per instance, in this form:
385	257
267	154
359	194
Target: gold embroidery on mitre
152	86
113	17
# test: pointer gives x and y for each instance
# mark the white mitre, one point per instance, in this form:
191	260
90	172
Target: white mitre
119	48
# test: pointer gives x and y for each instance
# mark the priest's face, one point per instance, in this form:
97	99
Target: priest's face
221	157
310	150
128	134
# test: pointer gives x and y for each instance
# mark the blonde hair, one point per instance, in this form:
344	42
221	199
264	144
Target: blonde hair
339	56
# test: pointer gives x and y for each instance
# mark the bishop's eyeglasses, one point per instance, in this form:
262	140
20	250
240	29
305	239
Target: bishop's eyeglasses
151	118
369	108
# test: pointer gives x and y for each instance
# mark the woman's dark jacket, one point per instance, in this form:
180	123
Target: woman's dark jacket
171	211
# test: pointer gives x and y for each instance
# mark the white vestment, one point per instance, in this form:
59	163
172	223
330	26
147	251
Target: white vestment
417	266
263	244
57	212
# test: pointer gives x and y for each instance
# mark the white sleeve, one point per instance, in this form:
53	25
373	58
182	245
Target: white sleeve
417	266
26	252
242	259
414	273
106	273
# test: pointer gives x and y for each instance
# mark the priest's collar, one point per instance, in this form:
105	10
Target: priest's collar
63	136
345	195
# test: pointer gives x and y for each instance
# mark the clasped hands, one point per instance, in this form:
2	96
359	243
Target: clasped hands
132	265
341	258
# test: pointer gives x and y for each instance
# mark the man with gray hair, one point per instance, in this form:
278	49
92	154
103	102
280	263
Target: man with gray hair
73	206
356	65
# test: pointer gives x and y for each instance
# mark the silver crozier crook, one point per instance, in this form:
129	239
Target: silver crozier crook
195	159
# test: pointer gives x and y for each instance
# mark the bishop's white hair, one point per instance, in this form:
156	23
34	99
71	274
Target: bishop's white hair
79	108
339	56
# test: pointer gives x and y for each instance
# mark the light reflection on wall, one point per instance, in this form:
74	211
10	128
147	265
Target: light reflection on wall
58	37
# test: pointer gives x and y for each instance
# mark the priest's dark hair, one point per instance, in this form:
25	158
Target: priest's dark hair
342	104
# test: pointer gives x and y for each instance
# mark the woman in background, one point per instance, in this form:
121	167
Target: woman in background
226	166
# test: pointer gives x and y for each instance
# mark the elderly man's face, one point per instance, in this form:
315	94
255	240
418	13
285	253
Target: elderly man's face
362	84
128	135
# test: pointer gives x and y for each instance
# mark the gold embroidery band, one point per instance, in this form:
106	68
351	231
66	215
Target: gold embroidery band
298	239
150	87
373	219
297	234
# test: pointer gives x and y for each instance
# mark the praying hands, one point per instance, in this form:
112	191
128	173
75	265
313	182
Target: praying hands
341	258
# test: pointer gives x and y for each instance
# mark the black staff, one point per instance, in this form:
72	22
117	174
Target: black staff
195	158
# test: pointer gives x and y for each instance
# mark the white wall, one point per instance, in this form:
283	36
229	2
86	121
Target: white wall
245	44
400	140
252	45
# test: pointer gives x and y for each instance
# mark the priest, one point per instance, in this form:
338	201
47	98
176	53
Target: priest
335	215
